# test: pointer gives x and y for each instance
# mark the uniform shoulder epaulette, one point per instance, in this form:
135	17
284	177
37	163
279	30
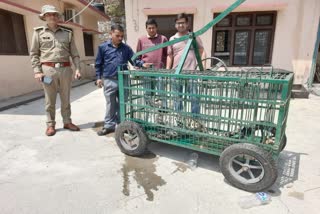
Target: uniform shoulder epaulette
38	28
66	29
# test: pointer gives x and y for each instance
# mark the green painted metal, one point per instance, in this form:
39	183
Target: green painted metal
121	95
207	111
191	35
219	18
314	58
234	107
281	76
184	56
285	95
197	53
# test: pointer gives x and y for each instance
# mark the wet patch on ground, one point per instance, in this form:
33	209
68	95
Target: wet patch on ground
143	171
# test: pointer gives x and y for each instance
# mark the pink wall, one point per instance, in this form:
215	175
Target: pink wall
16	75
295	34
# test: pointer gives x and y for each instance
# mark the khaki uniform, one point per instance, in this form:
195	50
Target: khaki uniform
58	47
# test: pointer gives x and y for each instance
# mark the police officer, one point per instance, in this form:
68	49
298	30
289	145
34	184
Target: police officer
52	46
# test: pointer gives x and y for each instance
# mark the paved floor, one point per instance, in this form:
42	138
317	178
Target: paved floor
35	95
83	173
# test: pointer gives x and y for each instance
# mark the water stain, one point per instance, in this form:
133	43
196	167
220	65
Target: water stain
181	167
297	195
144	173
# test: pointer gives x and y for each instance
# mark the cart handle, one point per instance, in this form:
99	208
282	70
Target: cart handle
258	69
271	73
217	66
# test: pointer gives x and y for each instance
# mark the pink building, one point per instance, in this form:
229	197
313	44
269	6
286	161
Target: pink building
281	32
17	20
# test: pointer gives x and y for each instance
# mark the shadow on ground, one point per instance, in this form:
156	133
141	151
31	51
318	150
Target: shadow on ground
288	164
33	108
288	171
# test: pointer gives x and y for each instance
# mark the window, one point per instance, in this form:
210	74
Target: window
12	34
88	44
244	39
166	24
70	15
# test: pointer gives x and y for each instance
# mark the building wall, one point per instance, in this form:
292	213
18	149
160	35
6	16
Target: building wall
295	33
16	74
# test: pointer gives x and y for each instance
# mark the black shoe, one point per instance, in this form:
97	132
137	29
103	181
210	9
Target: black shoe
105	131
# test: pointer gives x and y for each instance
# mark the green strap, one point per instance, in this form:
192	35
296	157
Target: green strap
184	56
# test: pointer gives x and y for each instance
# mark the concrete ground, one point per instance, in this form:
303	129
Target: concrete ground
83	173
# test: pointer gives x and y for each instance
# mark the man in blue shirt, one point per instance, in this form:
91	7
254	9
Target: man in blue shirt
111	54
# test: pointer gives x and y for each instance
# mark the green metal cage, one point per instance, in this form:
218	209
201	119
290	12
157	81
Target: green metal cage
232	107
239	115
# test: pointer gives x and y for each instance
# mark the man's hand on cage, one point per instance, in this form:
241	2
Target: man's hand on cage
99	83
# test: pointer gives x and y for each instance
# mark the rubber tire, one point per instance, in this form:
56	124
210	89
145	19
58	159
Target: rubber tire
265	158
136	128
